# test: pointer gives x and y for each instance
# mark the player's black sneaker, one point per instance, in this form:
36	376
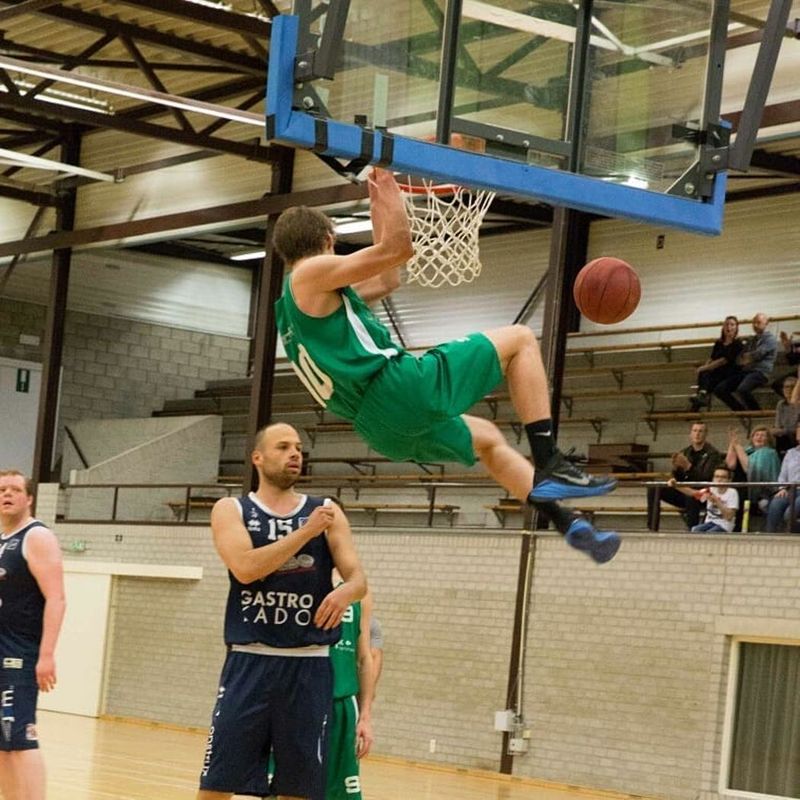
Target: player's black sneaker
601	546
560	479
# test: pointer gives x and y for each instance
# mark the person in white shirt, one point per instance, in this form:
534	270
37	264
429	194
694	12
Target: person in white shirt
721	504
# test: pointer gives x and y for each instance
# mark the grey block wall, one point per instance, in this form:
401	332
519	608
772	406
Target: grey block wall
116	367
626	668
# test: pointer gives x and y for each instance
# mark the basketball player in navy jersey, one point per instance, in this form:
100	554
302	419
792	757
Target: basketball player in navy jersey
282	616
31	610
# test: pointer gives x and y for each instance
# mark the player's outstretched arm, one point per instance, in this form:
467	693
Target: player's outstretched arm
367	678
235	547
345	559
390	249
44	561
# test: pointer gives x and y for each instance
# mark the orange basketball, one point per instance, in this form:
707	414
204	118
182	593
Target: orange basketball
607	290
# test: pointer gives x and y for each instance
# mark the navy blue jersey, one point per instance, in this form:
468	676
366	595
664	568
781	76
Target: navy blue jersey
21	603
279	610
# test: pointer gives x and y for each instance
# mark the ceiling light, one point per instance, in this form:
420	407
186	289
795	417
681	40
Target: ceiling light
353	226
123	90
64	98
26	160
251	256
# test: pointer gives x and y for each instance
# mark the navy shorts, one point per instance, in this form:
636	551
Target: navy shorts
268	702
18	716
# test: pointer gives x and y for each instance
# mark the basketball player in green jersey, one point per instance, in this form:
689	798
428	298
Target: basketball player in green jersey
350	731
413	408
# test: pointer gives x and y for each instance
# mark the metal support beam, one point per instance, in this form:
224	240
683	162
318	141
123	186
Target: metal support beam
570	235
222	18
447	69
254	151
568	252
53	343
570	232
97	22
189	220
266	331
154	80
9	271
25	7
760	80
527	556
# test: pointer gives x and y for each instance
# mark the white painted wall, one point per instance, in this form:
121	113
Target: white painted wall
19	413
82	646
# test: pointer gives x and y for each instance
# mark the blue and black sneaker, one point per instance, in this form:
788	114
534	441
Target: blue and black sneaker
560	479
601	546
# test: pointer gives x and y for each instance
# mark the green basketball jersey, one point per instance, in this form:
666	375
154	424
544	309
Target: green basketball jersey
336	356
344	654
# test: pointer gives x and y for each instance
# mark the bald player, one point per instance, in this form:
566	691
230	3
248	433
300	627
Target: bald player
283	614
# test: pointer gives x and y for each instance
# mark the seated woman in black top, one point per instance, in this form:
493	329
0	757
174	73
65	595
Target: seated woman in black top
721	363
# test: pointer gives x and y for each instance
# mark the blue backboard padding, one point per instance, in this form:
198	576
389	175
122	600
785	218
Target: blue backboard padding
451	165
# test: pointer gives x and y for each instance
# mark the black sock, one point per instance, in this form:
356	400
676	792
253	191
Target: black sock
560	517
540	436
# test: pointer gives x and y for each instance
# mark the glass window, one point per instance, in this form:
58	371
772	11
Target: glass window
765	747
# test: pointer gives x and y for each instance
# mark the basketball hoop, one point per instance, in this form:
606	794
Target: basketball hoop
444	230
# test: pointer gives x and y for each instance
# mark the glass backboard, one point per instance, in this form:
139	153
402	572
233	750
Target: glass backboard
540	96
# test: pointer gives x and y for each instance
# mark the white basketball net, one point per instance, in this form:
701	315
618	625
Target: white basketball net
444	230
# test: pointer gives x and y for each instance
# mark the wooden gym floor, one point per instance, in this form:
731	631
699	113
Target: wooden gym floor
96	759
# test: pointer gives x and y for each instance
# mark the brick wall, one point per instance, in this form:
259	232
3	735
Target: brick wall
116	367
626	668
20	318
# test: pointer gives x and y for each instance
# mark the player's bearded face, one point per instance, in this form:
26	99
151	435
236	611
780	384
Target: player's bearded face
281	471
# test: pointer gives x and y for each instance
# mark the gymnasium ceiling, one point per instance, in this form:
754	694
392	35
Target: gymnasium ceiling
208	52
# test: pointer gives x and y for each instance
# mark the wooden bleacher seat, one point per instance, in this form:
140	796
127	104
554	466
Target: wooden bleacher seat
429	509
511	506
179	508
568	397
664	347
596	421
674	326
368	464
619	371
745	417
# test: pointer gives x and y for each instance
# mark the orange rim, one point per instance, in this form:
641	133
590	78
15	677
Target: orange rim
437	188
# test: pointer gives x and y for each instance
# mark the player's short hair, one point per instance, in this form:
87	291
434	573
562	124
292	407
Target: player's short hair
724	469
301	232
5	473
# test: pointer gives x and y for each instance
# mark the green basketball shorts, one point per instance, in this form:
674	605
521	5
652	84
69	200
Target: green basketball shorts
412	408
343	781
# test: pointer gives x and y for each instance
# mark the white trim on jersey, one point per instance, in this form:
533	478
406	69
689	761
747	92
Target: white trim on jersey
4	537
259	649
268	510
362	334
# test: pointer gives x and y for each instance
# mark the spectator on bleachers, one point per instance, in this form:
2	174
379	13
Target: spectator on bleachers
721	364
791	351
754	366
778	510
721	503
787	414
758	461
694	464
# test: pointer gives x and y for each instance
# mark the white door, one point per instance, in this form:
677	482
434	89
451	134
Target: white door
20	383
81	651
